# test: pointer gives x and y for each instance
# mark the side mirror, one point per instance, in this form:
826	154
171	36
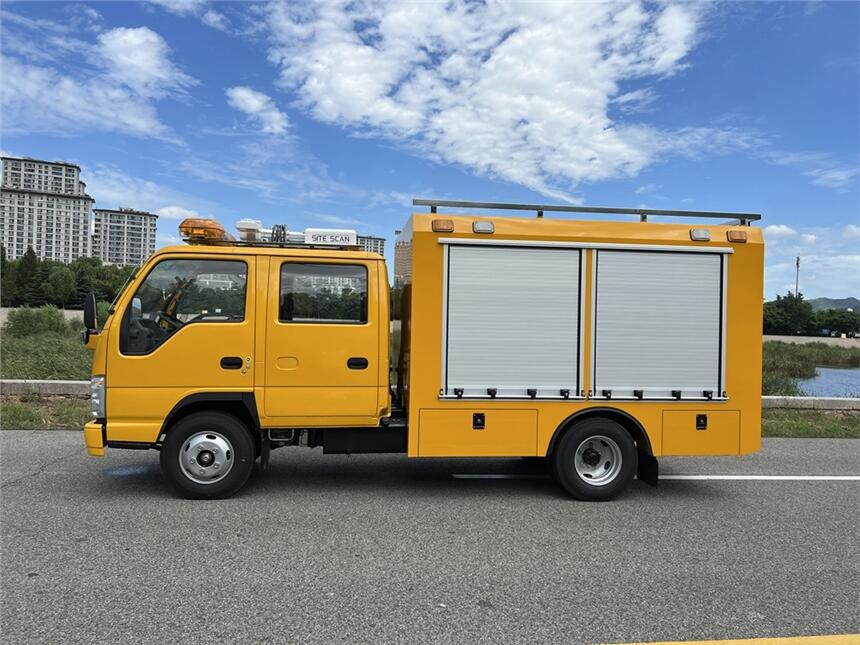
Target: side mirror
90	321
136	308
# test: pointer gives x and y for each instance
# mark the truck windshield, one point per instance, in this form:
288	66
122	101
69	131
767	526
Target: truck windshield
177	293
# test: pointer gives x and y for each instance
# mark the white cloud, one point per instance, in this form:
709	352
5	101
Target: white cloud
114	86
829	268
113	188
258	106
647	188
140	60
833	177
181	7
778	231
196	8
635	101
821	168
851	231
519	92
212	18
176	212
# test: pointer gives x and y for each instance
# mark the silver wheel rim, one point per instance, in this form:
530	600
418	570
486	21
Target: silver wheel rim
597	460
206	457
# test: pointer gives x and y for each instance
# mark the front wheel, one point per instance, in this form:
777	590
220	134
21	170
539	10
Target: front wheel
595	460
207	455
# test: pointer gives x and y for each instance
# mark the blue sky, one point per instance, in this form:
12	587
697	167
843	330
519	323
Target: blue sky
338	114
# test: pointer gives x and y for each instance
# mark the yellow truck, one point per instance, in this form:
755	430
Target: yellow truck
596	345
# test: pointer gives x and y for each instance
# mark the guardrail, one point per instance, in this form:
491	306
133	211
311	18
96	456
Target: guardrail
82	388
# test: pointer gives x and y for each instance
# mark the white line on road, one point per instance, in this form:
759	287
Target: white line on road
798	478
781	478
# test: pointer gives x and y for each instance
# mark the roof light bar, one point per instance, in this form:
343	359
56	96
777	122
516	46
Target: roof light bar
743	218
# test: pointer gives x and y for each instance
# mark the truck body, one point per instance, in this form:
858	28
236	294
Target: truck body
597	345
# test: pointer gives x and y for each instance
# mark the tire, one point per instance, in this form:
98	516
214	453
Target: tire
207	455
595	460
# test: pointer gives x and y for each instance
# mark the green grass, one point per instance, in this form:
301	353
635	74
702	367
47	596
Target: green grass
47	355
777	422
32	412
784	363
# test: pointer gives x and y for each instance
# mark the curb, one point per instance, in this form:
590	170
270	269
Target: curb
810	403
57	388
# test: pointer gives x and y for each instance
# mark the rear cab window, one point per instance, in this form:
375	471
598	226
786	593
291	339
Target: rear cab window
323	293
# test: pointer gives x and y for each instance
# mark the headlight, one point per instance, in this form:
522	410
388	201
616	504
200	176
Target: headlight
97	397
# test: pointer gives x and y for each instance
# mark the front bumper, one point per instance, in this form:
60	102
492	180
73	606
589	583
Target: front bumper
93	439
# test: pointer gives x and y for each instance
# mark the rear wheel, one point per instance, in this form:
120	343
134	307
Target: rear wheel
207	455
595	460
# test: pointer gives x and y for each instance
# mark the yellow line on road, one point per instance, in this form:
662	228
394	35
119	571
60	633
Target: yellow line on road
836	639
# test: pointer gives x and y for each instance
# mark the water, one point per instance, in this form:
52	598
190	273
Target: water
832	381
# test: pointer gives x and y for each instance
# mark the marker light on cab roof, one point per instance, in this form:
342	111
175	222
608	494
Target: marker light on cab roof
200	229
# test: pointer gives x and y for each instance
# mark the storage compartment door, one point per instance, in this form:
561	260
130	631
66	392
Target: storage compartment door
658	325
512	322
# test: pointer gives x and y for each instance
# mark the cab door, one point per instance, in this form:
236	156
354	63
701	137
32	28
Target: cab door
187	328
322	342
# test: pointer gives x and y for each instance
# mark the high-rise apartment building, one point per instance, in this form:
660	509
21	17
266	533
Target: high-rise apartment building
123	236
372	244
44	205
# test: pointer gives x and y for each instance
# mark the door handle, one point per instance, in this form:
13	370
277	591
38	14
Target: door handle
231	362
357	363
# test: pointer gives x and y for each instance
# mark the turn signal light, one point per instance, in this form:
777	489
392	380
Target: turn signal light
196	228
443	226
736	236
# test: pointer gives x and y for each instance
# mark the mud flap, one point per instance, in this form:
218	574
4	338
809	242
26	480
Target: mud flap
265	451
648	469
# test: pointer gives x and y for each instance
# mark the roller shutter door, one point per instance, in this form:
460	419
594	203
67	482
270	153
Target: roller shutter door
658	324
512	321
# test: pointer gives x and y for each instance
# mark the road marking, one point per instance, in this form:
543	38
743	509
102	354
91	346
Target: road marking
835	639
781	478
788	478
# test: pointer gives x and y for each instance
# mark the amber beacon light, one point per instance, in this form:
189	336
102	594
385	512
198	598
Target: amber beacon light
196	229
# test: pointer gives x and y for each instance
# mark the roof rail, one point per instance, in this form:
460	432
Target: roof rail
744	219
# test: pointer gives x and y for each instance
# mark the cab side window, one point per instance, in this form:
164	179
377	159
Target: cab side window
323	293
177	293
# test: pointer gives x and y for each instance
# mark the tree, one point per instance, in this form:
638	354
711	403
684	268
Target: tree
60	285
28	265
34	295
789	314
839	321
8	280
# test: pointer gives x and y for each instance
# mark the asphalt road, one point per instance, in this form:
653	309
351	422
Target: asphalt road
373	549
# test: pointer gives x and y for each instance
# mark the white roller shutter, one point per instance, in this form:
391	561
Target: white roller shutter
512	321
658	324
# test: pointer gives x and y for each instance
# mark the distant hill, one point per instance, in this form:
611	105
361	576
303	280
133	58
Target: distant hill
832	303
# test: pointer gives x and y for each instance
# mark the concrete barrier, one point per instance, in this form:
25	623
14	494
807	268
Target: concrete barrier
48	388
810	403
